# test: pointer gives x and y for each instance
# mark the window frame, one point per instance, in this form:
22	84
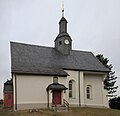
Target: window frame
60	42
55	79
72	89
89	92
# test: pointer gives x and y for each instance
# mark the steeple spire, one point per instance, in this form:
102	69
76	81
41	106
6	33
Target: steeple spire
63	22
63	42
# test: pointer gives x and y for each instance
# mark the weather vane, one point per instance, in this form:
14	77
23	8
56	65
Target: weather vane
62	9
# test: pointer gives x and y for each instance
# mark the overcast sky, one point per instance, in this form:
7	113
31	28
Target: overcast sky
94	25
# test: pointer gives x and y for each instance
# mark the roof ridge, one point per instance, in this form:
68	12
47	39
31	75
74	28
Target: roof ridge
30	44
82	51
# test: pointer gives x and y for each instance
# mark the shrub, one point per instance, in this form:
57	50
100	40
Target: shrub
114	103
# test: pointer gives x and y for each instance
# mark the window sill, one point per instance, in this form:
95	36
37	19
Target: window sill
89	99
72	98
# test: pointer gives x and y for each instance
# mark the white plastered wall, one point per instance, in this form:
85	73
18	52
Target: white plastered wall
98	92
31	90
73	76
95	79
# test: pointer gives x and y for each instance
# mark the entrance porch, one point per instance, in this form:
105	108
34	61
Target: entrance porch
55	95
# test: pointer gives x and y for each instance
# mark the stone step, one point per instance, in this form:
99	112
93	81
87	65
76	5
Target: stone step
60	108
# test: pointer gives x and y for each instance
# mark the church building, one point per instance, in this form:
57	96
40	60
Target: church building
44	77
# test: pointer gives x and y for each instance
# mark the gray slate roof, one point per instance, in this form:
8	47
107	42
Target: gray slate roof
33	59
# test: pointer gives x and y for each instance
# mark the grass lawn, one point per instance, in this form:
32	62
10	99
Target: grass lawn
72	112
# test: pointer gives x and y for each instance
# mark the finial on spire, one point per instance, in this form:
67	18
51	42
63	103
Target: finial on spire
62	9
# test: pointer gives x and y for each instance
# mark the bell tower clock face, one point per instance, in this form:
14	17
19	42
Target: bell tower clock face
66	41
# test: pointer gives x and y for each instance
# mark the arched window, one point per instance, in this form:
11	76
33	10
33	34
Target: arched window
89	92
71	89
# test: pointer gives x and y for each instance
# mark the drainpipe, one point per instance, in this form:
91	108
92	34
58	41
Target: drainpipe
48	98
15	93
79	87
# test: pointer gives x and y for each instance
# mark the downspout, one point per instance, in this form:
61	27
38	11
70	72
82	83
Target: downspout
48	98
15	93
79	87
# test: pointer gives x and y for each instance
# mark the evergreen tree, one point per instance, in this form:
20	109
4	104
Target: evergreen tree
110	80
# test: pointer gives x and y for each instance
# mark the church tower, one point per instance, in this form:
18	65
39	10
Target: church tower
63	42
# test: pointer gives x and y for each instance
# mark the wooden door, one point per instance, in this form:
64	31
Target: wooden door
8	100
56	97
